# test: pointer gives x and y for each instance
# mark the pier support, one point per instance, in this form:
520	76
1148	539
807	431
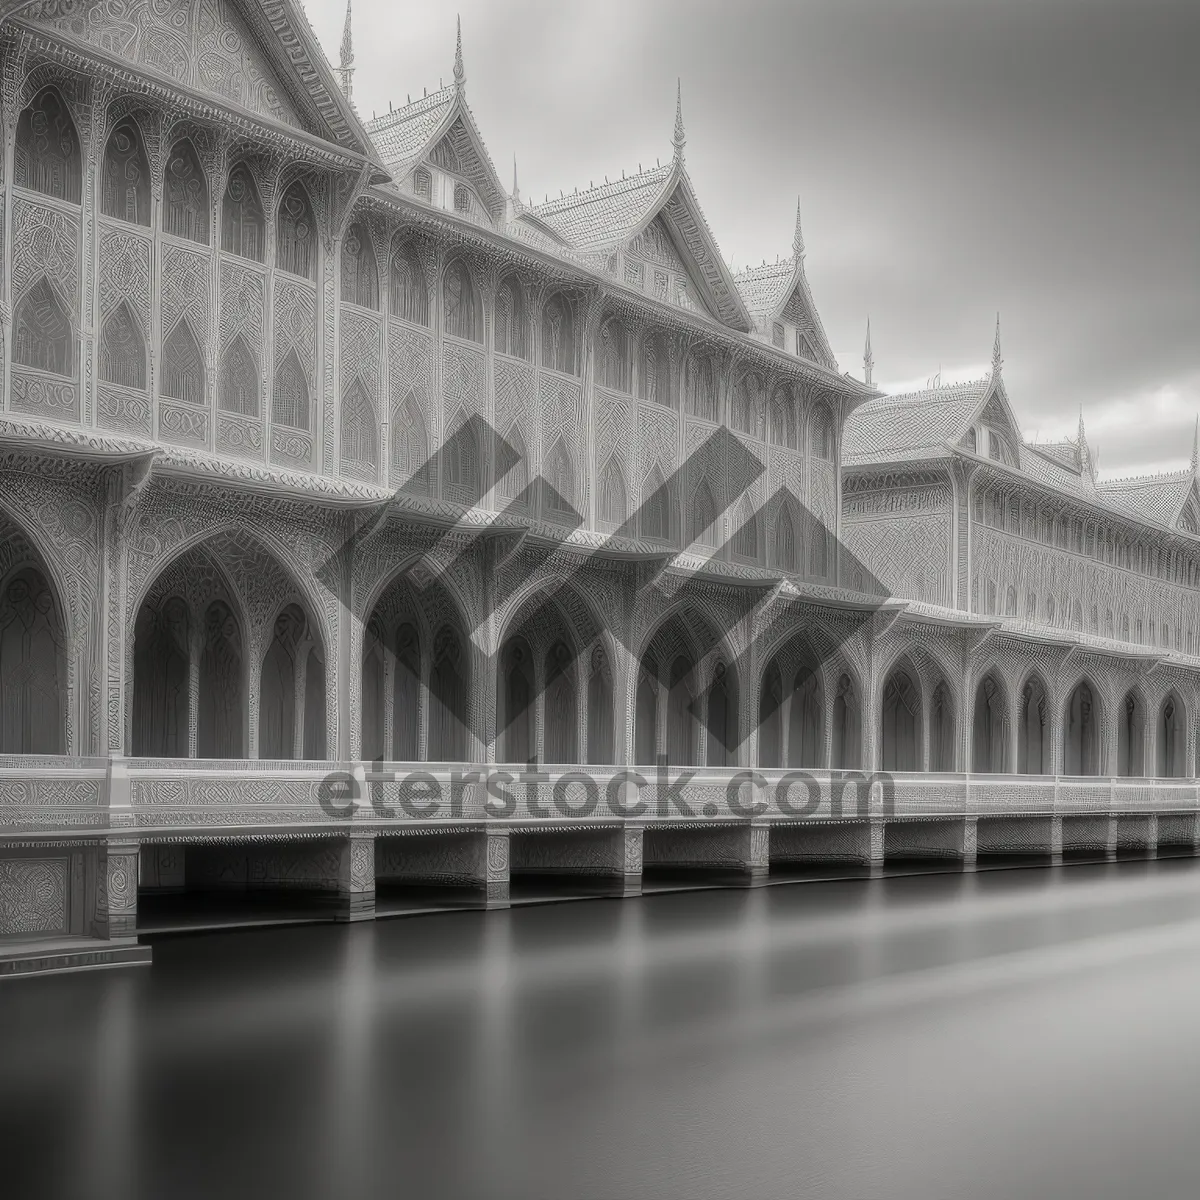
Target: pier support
919	841
736	853
356	878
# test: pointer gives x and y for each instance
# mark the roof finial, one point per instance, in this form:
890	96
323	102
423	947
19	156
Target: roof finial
868	359
1079	433
460	76
1196	449
996	359
679	138
798	236
346	61
516	190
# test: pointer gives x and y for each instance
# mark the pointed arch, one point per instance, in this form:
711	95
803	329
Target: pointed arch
721	717
284	664
290	401
239	391
512	319
243	222
561	705
448	683
746	406
33	669
600	722
296	233
941	729
411	466
122	349
783	420
48	157
1033	729
654	370
408	296
220	729
512	467
745	538
770	718
821	433
515	705
645	734
1131	735
360	271
560	480
818	551
701	388
406	694
182	365
846	745
900	720
614	356
559	348
43	333
704	514
360	432
460	456
162	640
989	731
787	553
125	187
682	725
185	194
1082	746
1171	740
462	309
613	507
657	511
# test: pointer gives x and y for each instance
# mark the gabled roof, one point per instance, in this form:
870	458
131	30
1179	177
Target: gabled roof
439	122
915	425
613	214
1159	498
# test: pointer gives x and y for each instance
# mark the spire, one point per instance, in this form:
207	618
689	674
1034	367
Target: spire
868	357
516	192
679	138
996	359
798	237
1196	449
460	76
346	61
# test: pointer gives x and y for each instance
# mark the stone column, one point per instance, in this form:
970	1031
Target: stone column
356	877
495	868
758	860
1056	841
970	843
116	890
632	861
876	848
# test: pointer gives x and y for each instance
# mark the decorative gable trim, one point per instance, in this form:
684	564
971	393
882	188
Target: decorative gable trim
460	150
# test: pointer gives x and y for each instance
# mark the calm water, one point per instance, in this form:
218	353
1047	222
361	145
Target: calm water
1018	1033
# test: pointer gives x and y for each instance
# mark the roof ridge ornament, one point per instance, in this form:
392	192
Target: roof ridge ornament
1196	448
798	236
516	192
346	58
460	75
868	357
997	360
678	139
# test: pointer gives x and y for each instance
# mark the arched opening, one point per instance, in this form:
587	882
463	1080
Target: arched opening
47	152
243	222
517	740
770	718
787	553
559	491
654	370
900	722
289	405
821	433
721	718
360	435
463	318
561	706
411	465
239	380
290	724
32	666
122	349
614	356
600	727
448	698
744	416
360	271
162	643
682	724
221	720
296	234
613	505
656	507
185	194
806	720
460	457
783	421
846	741
512	320
1081	733
43	337
406	695
645	733
125	192
989	734
182	365
512	468
558	335
1131	737
745	537
1033	732
941	729
408	296
701	389
704	513
1172	739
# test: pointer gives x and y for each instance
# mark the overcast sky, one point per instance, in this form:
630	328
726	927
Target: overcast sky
954	158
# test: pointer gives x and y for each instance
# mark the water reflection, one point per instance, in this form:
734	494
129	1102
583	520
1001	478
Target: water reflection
1011	1033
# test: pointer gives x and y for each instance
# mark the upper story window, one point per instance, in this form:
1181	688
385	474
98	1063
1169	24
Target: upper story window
701	393
185	194
125	191
462	199
43	336
777	335
296	234
783	421
558	335
654	370
408	296
47	152
360	274
512	320
423	183
243	223
746	403
614	356
821	437
462	309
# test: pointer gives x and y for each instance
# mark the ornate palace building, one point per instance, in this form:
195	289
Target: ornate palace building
327	458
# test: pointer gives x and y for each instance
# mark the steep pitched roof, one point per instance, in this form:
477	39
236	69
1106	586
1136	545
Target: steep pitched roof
1159	498
780	291
914	425
615	213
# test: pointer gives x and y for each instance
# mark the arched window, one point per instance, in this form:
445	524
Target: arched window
360	438
989	735
645	736
406	694
1172	739
654	370
462	313
1010	601
296	234
701	395
423	183
185	194
243	222
512	322
901	723
704	516
821	442
1131	737
122	349
360	274
448	698
1033	732
289	405
32	667
721	717
515	719
561	706
220	725
558	335
460	454
745	539
410	448
745	406
941	729
239	380
126	186
846	750
1081	733
462	199
409	297
614	356
560	480
160	680
818	552
614	505
182	365
47	153
783	421
512	467
656	507
42	333
600	727
786	557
